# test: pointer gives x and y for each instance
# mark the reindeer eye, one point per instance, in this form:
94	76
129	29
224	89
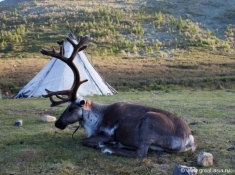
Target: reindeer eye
80	102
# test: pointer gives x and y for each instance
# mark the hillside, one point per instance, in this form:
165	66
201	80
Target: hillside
134	44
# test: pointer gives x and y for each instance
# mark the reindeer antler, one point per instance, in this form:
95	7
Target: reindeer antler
71	94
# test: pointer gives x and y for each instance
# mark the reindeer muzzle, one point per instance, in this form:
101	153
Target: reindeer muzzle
60	125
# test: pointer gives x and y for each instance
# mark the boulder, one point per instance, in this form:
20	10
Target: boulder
48	118
184	170
18	122
205	159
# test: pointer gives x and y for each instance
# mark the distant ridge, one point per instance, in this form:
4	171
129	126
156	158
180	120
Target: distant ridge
10	2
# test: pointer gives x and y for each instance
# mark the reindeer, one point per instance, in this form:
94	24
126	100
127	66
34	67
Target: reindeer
121	128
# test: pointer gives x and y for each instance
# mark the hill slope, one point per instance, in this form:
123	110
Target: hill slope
134	44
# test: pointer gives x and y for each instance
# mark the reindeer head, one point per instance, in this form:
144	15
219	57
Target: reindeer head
73	112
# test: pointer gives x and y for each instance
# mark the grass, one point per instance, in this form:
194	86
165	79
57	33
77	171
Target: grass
40	148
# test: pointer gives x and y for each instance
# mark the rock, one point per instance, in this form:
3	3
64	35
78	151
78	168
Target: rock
18	122
48	118
184	170
205	159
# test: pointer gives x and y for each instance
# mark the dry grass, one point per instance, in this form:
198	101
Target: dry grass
194	68
190	69
15	73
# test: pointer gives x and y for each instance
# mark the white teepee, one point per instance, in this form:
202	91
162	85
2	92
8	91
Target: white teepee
56	76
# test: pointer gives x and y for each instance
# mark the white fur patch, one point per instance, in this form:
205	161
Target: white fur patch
78	99
176	143
191	142
89	131
106	150
109	131
101	145
90	122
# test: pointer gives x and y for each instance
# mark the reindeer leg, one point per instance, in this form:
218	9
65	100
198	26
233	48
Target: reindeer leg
104	142
145	141
96	141
141	152
118	151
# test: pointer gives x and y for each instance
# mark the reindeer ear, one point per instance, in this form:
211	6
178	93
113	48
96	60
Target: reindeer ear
88	103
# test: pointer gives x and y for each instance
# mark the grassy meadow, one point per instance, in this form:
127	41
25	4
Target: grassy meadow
146	51
40	148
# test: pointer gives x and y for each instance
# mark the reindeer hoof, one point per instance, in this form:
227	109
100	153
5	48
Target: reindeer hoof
106	150
101	145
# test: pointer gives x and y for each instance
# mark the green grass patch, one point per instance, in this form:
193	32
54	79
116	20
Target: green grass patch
40	148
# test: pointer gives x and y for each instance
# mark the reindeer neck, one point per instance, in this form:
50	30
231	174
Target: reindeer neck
97	107
92	116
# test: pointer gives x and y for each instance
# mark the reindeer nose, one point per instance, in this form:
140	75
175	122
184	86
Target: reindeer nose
60	125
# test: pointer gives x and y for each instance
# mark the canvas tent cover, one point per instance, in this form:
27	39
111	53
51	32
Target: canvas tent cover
56	76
